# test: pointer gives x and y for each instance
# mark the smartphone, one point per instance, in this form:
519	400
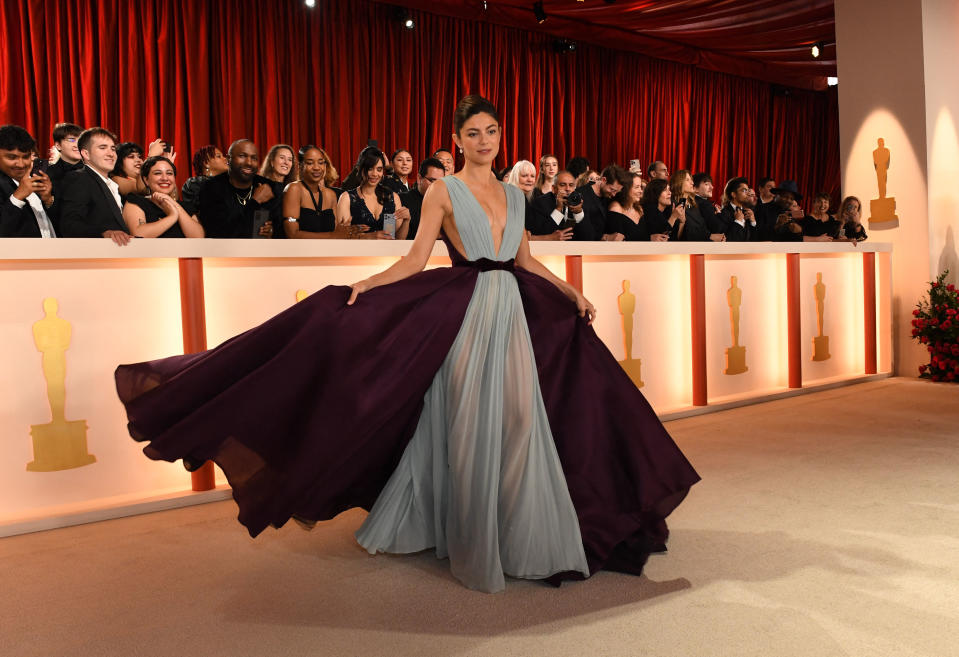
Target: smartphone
634	164
389	224
260	217
39	166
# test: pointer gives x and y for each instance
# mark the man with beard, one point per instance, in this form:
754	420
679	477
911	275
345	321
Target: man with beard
231	203
736	218
598	196
552	217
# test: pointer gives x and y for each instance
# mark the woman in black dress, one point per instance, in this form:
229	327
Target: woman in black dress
684	193
820	224
662	216
363	207
158	215
625	218
850	215
309	205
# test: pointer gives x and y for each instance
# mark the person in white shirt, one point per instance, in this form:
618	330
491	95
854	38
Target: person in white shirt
25	194
91	205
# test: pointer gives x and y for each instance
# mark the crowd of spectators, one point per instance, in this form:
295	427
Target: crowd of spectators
91	186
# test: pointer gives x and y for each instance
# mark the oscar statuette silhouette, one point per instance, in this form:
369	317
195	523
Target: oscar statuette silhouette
820	343
627	308
736	354
882	210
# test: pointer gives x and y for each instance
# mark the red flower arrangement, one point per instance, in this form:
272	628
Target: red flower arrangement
936	324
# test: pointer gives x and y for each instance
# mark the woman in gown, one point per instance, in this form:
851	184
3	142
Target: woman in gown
487	421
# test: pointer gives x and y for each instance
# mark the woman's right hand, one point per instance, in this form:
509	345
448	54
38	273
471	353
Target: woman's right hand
359	288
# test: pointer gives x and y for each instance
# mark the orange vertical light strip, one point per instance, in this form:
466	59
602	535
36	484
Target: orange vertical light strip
697	298
574	271
793	320
193	316
869	316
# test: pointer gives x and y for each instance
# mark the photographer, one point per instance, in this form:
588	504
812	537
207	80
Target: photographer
559	214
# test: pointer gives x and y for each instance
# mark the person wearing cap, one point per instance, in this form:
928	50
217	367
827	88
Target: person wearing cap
788	226
736	219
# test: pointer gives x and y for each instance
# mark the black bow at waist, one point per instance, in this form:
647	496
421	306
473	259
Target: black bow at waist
485	264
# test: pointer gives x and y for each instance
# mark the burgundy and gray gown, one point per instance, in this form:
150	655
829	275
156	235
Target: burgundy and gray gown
469	409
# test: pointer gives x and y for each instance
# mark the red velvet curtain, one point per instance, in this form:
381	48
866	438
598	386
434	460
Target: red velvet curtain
208	71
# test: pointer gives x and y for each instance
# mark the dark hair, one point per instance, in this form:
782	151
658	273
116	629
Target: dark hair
616	173
700	178
763	181
63	130
15	138
654	188
201	157
652	166
623	197
441	150
124	150
331	173
577	166
366	160
83	141
824	195
151	162
733	184
398	151
430	163
469	107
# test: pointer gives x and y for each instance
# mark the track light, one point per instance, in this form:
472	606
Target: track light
816	49
403	16
832	81
310	3
564	45
539	12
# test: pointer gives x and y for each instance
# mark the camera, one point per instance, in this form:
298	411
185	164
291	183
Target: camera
575	198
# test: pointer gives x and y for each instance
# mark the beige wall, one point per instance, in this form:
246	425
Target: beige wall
896	63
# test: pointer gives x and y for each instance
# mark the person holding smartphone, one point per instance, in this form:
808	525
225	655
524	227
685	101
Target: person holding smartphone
664	218
26	193
366	207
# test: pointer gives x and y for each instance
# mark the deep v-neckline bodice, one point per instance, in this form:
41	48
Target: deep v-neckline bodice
475	226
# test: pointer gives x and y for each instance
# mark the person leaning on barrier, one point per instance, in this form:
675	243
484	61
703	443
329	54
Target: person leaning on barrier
559	215
819	222
683	191
239	203
309	204
850	214
158	214
662	216
91	204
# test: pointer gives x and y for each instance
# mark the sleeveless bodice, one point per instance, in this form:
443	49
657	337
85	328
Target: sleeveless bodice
360	212
474	226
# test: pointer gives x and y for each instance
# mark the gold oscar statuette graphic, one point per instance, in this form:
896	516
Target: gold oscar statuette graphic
736	354
60	444
882	210
820	343
627	307
301	294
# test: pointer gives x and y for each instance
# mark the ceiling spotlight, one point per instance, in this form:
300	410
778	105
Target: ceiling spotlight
816	49
831	81
539	12
403	16
409	24
564	45
310	3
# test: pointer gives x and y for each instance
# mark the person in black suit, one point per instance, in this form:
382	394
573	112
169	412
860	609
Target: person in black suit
736	218
65	137
229	202
703	184
430	170
24	198
91	204
551	217
766	210
597	197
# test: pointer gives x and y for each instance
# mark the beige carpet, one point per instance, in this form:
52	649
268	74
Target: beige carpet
826	524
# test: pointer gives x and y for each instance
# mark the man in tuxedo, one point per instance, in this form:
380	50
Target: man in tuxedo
598	196
430	170
24	198
737	218
90	206
230	204
703	184
767	210
552	217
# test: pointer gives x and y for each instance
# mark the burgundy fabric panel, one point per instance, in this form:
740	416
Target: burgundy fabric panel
309	412
205	71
